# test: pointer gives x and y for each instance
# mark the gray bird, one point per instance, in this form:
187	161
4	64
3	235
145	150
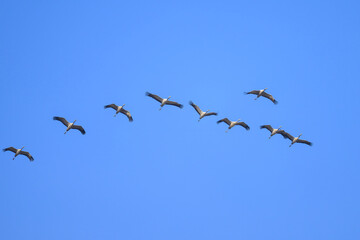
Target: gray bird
232	124
295	139
201	113
272	130
163	101
69	125
262	93
120	109
19	152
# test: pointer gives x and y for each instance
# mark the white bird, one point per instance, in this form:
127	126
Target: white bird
262	93
163	101
232	124
272	130
295	139
200	112
19	151
70	125
120	109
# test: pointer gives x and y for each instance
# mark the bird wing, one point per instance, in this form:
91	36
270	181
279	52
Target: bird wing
80	128
211	113
196	107
304	141
269	96
285	134
27	154
12	149
225	120
63	120
127	113
156	97
244	125
255	92
268	127
174	104
113	106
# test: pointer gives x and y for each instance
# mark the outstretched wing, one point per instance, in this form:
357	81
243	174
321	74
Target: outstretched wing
255	92
244	125
127	113
225	120
113	106
28	155
304	141
268	127
196	107
63	120
156	97
12	149
285	134
211	113
174	104
80	128
269	96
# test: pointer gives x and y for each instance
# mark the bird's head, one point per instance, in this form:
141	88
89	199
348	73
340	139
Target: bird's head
300	135
207	111
238	120
74	121
169	97
280	127
123	105
265	89
22	148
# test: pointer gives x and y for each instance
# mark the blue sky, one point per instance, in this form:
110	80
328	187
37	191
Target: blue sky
166	176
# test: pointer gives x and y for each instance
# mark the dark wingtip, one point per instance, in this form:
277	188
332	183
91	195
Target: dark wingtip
218	122
247	128
147	93
246	93
311	144
191	103
275	102
131	119
181	106
4	149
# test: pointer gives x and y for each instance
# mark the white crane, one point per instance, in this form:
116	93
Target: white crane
272	130
120	109
295	139
164	101
262	93
69	125
232	124
202	113
19	151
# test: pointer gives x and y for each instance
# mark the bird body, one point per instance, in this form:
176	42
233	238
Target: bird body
231	124
262	93
295	139
201	113
120	109
19	152
69	125
163	101
272	130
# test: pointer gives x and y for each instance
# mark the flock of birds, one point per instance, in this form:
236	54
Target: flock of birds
166	101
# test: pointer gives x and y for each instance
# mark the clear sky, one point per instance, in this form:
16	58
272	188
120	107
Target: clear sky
166	175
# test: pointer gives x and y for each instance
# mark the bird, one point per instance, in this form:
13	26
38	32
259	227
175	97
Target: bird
164	101
262	93
19	151
295	139
232	124
120	109
69	125
200	112
272	130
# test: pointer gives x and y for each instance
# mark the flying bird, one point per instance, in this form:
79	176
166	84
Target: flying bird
295	139
163	101
262	93
120	109
200	112
19	151
70	125
232	124
272	130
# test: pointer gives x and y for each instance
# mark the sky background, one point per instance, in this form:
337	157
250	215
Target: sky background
166	175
